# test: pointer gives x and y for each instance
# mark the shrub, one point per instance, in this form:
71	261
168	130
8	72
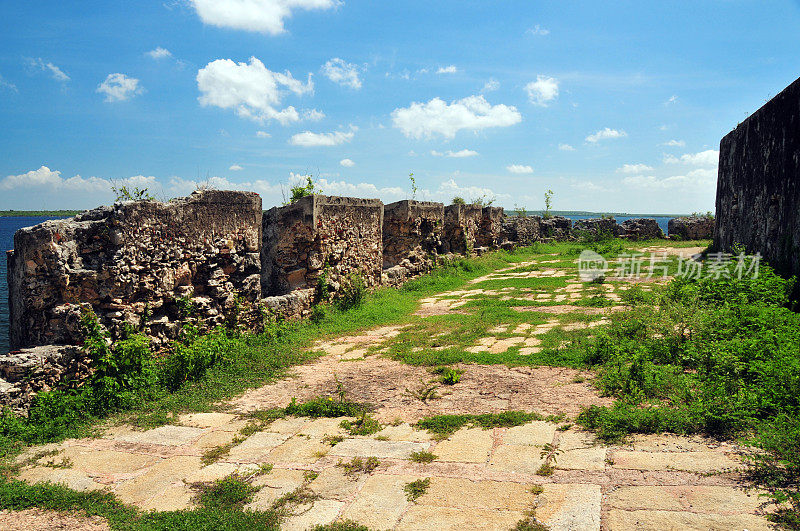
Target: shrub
351	292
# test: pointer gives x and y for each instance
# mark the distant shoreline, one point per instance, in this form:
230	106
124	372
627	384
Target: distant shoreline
31	213
66	213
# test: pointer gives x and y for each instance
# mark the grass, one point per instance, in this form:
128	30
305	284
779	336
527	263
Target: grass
359	466
363	425
442	426
417	488
227	494
423	457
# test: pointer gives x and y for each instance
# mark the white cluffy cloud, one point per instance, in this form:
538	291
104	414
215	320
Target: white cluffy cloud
252	89
709	157
51	180
700	178
235	167
159	53
54	71
342	72
674	143
424	120
491	85
605	134
634	168
565	147
309	139
451	69
347	163
519	168
262	134
264	16
543	90
455	154
119	87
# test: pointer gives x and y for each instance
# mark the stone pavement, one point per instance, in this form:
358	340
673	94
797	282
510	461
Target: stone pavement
543	472
481	479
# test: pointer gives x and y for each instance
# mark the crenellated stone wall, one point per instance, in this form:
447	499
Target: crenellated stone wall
340	235
131	263
758	185
491	229
461	224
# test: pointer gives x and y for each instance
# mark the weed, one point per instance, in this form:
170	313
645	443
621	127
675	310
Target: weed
310	475
359	466
537	489
227	494
351	292
346	525
300	496
425	391
450	376
564	427
423	457
445	425
332	440
363	425
417	488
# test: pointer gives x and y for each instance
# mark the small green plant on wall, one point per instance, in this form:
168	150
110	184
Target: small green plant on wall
548	204
413	185
299	192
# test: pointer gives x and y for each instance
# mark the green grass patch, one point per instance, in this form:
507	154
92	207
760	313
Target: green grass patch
445	425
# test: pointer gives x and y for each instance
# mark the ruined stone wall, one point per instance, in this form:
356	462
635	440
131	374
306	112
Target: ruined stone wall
411	229
522	230
491	229
758	187
133	261
461	224
342	234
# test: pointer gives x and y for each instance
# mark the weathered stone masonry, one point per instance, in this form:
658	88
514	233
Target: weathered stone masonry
412	238
758	188
134	260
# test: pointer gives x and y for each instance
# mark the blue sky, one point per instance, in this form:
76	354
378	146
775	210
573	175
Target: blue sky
615	106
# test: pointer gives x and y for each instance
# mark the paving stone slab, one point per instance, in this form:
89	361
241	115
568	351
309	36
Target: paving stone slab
404	432
278	482
688	461
573	507
213	439
327	427
471	445
522	459
217	471
288	425
534	433
461	492
574	440
298	451
206	420
380	449
176	497
106	462
683	521
593	459
322	512
164	436
381	501
255	448
157	480
426	517
332	483
699	499
74	479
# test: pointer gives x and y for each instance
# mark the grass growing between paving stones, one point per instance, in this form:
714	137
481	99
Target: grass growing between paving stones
417	488
443	426
716	356
423	457
229	493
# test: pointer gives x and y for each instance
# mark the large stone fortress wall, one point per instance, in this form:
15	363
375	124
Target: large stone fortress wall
134	261
139	265
758	189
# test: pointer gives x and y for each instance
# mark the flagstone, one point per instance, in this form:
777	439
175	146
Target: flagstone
533	433
680	521
423	517
255	448
582	459
298	451
278	482
522	459
462	492
73	479
322	512
164	435
573	507
695	498
206	420
380	449
380	502
106	462
334	483
689	461
157	479
471	445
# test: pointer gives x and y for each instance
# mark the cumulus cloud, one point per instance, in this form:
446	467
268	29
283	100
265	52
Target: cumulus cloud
313	115
262	134
538	30
437	117
709	157
519	168
634	168
347	163
451	69
54	71
605	134
699	178
455	154
263	16
309	139
235	167
565	147
253	90
542	91
674	143
51	180
119	87
342	72
159	53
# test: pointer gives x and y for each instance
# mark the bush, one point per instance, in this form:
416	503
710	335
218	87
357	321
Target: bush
351	292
